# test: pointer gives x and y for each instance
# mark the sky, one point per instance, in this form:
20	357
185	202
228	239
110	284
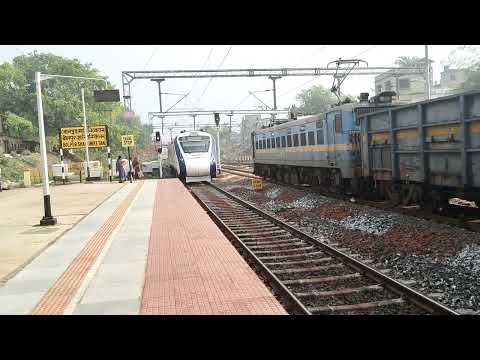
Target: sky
228	93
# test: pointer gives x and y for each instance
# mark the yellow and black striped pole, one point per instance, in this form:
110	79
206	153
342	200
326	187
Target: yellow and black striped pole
63	166
109	164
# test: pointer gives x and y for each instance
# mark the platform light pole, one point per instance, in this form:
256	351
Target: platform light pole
217	122
85	131
48	218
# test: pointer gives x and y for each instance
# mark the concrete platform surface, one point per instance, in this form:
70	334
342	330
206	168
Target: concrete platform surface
21	211
148	249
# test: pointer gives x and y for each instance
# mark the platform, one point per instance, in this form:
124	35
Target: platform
148	249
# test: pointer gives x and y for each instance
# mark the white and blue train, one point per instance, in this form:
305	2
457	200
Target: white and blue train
192	156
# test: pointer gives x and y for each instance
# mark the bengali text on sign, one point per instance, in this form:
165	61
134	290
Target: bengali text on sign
74	137
127	141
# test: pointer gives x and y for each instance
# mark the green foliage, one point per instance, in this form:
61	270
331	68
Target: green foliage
61	98
472	81
18	126
467	59
315	100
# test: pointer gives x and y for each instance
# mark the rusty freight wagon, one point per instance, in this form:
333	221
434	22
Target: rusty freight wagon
427	151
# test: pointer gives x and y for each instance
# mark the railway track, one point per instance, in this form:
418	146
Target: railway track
464	217
309	276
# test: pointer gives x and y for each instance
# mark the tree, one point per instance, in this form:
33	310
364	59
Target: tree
315	100
61	97
467	59
18	126
410	61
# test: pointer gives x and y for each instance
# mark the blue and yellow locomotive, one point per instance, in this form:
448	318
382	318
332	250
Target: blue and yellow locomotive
423	152
320	149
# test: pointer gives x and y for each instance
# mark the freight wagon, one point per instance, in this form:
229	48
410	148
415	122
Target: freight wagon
424	152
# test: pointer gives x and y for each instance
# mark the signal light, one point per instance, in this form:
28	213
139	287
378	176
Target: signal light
217	119
157	136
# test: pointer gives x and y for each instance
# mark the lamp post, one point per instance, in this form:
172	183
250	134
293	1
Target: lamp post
48	218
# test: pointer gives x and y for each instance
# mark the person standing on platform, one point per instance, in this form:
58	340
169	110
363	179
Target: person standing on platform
120	169
136	168
130	168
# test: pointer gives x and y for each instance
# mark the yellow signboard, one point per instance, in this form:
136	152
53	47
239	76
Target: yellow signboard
257	184
74	137
127	141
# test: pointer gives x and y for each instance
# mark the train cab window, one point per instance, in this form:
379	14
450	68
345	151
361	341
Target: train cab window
295	139
277	140
194	144
311	138
273	142
268	143
264	145
289	140
320	140
338	123
284	142
303	139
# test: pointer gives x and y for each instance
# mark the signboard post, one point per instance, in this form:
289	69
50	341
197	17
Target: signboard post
127	141
158	141
257	184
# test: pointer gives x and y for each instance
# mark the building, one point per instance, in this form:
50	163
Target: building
411	88
408	87
9	143
450	79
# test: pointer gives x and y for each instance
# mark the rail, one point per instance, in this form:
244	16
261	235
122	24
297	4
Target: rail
242	209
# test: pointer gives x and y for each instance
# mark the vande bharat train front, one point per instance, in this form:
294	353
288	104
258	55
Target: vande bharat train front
193	156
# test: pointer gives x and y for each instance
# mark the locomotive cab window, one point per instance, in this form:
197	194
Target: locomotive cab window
264	143
284	142
338	123
194	144
273	143
268	143
277	141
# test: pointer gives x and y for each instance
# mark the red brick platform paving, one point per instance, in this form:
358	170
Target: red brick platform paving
192	268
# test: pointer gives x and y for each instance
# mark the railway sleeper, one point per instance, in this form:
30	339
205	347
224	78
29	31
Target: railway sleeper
311	269
303	255
265	241
299	262
276	246
254	226
284	251
238	223
263	233
261	230
339	292
356	307
323	279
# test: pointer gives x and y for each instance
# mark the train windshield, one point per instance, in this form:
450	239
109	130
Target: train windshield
194	144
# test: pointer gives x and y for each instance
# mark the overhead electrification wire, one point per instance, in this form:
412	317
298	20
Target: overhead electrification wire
187	94
309	56
219	66
241	102
363	52
151	56
297	87
203	66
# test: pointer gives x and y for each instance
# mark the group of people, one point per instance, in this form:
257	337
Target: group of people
125	174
